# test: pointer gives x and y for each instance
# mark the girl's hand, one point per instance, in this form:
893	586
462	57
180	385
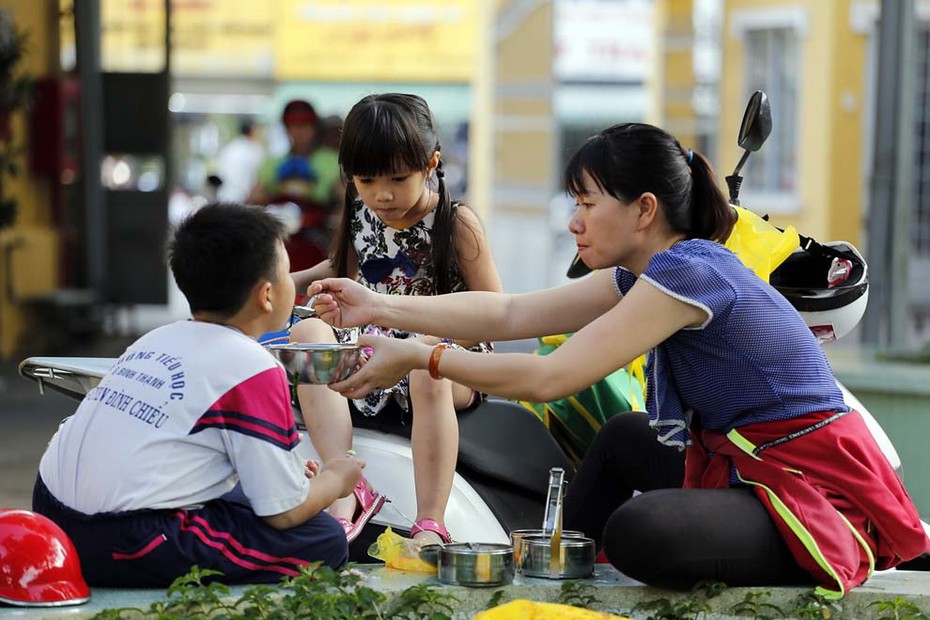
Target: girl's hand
390	360
342	302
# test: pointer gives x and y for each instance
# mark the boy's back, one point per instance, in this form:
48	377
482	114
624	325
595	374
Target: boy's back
164	427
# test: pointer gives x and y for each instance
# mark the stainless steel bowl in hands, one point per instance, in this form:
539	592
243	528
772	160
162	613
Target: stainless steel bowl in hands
575	561
317	363
476	564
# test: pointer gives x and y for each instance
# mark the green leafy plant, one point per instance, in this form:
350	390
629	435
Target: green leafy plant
754	606
898	609
814	606
577	594
681	609
496	599
317	592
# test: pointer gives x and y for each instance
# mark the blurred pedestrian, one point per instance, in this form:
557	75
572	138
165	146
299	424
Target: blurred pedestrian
237	164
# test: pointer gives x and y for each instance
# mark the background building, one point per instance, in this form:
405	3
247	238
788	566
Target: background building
516	85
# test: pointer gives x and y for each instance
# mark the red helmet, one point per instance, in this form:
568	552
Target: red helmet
38	562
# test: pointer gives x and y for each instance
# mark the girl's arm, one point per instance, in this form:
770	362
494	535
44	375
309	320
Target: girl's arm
645	317
472	315
474	257
473	253
323	269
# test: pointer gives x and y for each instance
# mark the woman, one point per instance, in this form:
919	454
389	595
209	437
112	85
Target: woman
783	483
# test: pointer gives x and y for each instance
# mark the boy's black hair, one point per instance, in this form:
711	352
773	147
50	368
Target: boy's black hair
386	134
221	252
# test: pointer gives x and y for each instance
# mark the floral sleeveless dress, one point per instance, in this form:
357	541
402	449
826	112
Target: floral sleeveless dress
398	262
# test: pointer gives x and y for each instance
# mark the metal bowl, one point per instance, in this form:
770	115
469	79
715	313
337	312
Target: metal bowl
476	564
517	536
316	363
575	561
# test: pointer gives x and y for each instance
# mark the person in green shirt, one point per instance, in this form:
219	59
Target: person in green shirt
307	176
301	123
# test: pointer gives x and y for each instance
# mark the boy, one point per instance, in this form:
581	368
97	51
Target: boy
185	452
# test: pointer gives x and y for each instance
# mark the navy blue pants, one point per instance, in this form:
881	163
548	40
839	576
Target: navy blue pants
151	548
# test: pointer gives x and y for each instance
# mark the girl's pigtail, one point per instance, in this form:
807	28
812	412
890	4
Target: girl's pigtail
443	237
711	214
339	248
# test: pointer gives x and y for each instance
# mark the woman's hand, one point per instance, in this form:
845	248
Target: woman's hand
389	360
342	302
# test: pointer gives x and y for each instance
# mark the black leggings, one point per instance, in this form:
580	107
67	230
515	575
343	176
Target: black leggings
668	536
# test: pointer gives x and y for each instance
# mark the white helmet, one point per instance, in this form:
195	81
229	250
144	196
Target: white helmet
828	284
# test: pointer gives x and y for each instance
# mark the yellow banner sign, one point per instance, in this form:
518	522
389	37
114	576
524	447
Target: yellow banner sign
376	40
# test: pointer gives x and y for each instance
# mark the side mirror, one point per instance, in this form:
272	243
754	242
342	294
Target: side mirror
754	129
757	122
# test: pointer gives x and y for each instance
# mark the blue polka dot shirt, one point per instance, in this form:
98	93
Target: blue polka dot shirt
753	359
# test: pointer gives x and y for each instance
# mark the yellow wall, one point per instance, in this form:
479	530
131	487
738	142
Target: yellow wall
524	140
674	87
28	250
831	90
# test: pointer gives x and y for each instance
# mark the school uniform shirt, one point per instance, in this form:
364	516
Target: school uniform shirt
189	410
752	360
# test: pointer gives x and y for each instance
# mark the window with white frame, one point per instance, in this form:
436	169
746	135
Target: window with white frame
772	57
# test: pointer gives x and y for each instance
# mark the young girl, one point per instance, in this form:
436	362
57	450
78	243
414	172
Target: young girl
400	234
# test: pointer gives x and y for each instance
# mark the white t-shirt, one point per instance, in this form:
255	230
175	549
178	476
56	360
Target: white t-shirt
188	410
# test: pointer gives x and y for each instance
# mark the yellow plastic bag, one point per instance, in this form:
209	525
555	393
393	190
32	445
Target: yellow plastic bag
400	553
760	245
522	609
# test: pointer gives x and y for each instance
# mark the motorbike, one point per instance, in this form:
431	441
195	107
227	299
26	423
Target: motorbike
505	454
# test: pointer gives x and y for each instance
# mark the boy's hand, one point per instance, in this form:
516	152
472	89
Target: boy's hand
347	469
311	468
342	302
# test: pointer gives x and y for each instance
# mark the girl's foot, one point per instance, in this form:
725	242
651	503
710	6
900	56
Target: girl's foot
368	503
430	531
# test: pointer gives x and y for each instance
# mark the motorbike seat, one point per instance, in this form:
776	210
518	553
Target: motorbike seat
504	441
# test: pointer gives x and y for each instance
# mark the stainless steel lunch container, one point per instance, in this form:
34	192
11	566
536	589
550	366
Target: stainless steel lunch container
476	564
576	558
517	536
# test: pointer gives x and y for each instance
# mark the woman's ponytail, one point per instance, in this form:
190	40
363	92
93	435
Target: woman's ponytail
711	214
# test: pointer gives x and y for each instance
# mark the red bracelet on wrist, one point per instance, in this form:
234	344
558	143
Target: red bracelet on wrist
433	365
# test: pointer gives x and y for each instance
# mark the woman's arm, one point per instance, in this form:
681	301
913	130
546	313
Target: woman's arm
645	317
472	315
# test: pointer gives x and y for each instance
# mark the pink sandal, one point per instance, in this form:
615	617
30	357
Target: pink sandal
431	525
369	503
